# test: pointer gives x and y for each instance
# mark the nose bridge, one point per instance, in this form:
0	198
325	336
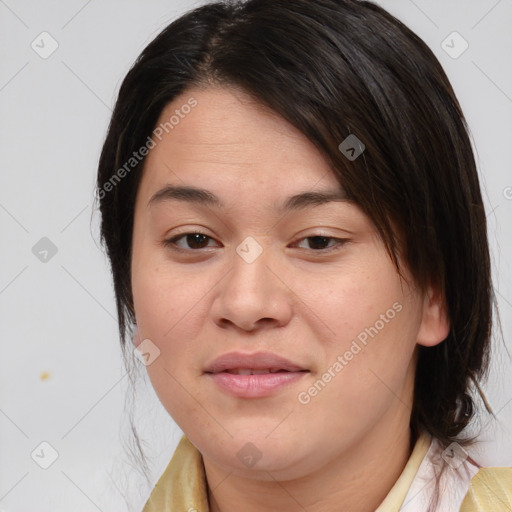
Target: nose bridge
250	291
250	272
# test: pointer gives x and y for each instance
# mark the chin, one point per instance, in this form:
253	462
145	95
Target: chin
254	454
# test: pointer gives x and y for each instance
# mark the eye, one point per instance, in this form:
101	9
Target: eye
192	241
197	241
322	243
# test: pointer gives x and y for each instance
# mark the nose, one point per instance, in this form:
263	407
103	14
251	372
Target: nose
251	296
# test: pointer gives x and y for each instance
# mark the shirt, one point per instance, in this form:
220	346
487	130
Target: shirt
462	485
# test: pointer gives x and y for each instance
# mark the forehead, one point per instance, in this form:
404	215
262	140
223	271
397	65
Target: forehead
229	141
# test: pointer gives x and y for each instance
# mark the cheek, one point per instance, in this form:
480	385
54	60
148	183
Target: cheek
166	305
168	309
352	298
163	294
372	320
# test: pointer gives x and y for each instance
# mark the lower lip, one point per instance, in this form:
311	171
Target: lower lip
254	386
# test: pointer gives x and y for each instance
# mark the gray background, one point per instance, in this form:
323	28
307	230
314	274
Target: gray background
61	375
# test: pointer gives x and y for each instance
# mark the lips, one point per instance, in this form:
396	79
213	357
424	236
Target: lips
258	375
252	364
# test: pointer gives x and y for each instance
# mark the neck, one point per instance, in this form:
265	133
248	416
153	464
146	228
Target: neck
358	479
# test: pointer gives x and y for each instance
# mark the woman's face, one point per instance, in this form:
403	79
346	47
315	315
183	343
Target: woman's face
260	269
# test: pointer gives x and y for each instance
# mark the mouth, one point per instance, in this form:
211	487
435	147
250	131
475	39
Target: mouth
255	375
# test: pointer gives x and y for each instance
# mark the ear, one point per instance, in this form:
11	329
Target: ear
435	324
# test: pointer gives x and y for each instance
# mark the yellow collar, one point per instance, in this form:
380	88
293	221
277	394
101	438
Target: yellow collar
182	486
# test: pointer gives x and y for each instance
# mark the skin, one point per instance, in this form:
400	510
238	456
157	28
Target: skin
346	448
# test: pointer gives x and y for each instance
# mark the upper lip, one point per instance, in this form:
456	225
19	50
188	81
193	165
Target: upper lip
256	361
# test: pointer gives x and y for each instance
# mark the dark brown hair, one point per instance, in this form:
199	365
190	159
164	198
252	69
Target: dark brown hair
333	68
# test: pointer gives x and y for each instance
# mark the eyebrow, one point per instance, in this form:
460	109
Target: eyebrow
207	198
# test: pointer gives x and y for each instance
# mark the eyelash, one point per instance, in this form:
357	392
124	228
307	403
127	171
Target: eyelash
171	242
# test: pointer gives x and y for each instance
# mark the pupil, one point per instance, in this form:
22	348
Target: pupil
196	240
318	240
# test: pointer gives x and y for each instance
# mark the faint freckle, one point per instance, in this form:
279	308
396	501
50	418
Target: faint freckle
45	376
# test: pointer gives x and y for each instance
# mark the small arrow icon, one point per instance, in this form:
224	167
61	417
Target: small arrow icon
146	352
454	45
44	250
249	249
44	455
352	147
44	45
249	455
454	455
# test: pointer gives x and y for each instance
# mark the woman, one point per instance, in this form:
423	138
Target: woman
292	212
